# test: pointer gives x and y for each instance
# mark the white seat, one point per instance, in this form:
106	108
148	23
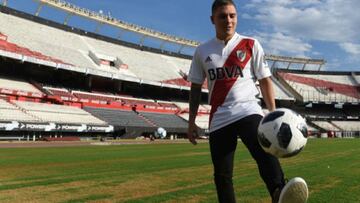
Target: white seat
58	113
19	85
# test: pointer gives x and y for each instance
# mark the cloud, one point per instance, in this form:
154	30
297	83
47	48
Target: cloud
289	27
353	49
328	20
277	43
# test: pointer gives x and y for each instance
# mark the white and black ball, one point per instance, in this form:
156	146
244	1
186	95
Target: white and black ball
283	133
160	133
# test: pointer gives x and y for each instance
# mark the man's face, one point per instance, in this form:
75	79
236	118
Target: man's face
225	19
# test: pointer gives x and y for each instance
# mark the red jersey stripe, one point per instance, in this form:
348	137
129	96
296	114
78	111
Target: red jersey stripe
223	86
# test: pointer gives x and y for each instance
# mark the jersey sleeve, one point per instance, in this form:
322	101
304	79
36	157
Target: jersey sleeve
260	66
196	72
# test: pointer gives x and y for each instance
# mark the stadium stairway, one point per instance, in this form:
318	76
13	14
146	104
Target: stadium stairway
288	87
354	79
39	87
151	123
25	112
309	122
337	126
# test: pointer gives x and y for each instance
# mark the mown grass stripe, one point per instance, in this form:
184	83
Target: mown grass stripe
168	173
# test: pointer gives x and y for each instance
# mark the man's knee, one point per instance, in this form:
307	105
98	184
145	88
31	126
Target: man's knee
223	177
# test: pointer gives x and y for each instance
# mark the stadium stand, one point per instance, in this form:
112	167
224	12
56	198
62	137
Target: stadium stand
144	103
58	113
10	112
347	125
356	78
133	124
18	50
170	122
167	105
311	88
87	97
67	138
326	125
202	120
351	111
74	49
18	85
62	93
280	92
119	117
83	83
322	112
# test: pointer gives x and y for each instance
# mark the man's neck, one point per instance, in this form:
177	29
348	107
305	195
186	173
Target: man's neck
225	39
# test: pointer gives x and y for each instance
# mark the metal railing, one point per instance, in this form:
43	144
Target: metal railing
313	95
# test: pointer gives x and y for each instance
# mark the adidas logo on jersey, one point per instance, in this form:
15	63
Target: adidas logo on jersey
208	59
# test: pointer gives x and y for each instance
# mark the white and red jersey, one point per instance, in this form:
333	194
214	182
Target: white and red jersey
231	71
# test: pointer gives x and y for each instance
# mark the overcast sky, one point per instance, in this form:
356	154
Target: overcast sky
324	29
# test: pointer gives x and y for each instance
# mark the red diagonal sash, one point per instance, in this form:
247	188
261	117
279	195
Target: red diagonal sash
222	87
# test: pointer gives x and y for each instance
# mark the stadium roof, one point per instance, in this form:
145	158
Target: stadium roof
145	32
291	60
295	59
72	9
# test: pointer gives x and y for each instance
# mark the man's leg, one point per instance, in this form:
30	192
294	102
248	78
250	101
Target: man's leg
268	165
222	147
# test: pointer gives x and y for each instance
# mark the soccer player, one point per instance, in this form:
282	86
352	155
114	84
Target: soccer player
232	63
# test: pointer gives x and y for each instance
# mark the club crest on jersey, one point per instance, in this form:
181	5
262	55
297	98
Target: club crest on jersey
241	55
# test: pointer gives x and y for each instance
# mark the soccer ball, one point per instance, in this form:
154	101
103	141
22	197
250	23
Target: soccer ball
160	133
282	133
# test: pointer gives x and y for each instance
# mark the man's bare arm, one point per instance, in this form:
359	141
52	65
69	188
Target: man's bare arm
267	92
194	101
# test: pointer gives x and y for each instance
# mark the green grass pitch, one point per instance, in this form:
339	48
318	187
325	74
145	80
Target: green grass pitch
168	173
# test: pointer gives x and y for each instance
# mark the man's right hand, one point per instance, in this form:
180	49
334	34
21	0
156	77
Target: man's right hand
192	133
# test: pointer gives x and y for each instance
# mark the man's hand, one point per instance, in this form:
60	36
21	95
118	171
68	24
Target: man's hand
192	133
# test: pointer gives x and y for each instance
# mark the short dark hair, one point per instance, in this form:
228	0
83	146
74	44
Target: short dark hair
218	3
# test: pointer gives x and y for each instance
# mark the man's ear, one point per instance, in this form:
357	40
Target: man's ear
212	19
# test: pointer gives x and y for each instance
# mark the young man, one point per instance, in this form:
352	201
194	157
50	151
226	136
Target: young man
232	63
